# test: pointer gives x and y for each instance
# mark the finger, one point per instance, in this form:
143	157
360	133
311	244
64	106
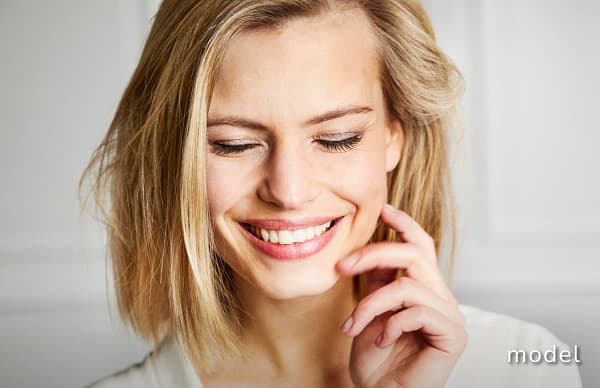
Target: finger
388	254
403	293
409	229
365	353
384	254
437	330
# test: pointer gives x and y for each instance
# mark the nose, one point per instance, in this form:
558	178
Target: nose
289	181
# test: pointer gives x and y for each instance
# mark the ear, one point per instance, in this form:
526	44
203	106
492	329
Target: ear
394	143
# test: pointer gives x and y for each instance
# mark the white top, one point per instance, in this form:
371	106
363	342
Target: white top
484	362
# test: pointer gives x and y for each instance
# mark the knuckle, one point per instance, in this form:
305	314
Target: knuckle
418	254
363	309
415	249
420	312
403	284
462	339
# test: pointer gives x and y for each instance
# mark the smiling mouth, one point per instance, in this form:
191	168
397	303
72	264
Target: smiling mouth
287	237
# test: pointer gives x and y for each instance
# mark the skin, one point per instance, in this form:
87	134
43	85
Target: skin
277	80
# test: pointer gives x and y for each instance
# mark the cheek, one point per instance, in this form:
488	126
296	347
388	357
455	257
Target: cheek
227	182
215	187
361	176
362	182
224	189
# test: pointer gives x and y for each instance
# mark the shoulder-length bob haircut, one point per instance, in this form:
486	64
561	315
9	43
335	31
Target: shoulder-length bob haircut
148	173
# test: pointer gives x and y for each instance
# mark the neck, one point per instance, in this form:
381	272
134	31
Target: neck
298	336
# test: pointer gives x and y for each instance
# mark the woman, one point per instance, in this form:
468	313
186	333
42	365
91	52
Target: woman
256	166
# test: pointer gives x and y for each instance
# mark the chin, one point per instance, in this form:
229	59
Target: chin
297	286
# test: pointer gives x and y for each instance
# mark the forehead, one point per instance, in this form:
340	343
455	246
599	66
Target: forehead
305	66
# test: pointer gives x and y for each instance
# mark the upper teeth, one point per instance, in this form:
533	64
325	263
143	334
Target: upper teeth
290	236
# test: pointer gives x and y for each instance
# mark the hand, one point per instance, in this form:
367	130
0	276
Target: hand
408	331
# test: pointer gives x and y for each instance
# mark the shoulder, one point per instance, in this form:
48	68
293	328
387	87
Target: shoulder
492	337
136	375
168	367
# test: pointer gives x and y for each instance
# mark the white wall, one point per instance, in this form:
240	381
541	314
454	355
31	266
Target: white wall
527	174
527	171
63	67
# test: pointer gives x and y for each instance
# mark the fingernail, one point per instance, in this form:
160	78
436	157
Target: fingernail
349	261
347	325
392	208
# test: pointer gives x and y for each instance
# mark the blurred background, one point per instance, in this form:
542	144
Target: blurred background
526	172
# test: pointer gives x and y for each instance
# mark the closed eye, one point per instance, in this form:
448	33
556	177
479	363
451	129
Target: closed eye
342	145
330	142
231	147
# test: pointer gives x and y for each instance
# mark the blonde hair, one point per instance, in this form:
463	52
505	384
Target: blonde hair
148	172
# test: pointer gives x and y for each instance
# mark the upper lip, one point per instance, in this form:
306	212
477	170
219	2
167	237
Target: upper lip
288	223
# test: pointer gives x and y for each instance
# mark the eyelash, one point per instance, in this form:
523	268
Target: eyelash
343	145
230	149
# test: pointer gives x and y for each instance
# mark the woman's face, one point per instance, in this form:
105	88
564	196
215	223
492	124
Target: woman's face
299	147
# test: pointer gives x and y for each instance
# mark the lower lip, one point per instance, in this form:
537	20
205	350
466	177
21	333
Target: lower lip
298	250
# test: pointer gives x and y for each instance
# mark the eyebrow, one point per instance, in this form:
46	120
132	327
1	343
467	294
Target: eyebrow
327	116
